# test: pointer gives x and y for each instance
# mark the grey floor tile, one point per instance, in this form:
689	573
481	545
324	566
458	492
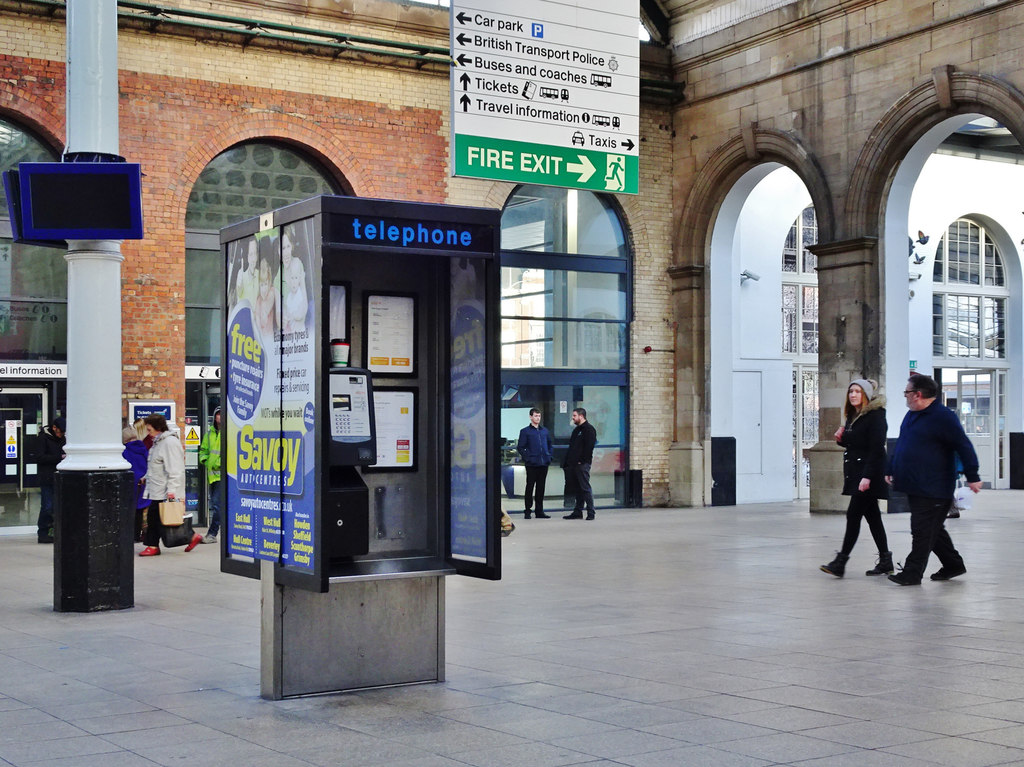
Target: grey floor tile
524	755
1006	710
29	733
869	735
143	720
37	750
789	718
862	758
224	752
784	747
1007	736
691	756
369	752
636	715
949	722
958	752
18	717
110	707
119	759
716	647
720	705
617	743
709	730
163	736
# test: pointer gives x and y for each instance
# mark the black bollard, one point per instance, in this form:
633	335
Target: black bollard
93	558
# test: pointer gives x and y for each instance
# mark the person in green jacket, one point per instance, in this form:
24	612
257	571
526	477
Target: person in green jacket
209	456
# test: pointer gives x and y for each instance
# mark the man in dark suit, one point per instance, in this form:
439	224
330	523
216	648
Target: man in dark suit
577	462
535	448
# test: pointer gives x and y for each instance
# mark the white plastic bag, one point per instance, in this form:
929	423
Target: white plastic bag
962	496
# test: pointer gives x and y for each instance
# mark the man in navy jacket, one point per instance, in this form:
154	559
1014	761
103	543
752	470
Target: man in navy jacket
536	450
922	465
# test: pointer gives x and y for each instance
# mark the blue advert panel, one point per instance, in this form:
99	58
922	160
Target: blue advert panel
469	508
270	396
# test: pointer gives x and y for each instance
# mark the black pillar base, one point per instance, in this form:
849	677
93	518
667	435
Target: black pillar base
93	558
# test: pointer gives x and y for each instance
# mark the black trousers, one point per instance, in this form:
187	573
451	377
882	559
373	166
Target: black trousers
864	506
536	478
153	527
928	534
581	480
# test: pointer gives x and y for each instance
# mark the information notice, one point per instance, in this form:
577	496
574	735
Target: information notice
547	92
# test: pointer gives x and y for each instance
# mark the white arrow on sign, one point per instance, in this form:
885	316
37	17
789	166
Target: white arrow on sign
585	168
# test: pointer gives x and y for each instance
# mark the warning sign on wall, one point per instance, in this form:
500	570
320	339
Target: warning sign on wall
193	436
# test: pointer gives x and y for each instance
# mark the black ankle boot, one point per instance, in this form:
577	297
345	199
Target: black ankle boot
884	566
837	566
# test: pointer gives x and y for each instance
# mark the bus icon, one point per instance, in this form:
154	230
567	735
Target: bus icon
605	81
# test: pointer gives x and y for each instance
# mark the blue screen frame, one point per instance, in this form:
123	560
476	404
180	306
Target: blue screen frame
118	217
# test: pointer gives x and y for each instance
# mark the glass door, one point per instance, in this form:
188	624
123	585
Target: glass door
977	403
201	399
23	413
805	426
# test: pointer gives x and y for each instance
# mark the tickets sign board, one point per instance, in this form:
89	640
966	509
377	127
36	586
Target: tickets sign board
547	92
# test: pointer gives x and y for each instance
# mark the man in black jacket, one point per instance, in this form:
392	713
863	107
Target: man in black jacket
922	465
51	452
577	462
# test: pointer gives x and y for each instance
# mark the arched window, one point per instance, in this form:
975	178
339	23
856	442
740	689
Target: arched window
565	304
969	297
33	279
800	337
800	287
242	182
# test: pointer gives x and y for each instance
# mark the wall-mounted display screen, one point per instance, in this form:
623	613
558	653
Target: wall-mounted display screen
80	201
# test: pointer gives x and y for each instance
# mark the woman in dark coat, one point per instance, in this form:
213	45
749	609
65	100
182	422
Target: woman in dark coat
863	435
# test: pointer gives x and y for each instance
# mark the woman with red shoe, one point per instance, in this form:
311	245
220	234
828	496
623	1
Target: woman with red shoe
165	481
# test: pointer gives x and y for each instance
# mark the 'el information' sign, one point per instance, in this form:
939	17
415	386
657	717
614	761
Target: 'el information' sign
547	93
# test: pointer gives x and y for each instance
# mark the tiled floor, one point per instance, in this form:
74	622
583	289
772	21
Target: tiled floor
655	638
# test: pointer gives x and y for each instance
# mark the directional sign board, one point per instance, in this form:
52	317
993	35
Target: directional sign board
547	92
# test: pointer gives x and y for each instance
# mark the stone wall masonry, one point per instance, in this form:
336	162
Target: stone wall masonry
840	71
852	86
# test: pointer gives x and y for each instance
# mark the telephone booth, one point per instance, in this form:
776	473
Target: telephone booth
360	425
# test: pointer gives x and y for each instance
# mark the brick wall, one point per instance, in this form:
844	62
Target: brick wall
382	129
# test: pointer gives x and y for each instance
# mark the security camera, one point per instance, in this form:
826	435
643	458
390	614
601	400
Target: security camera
746	274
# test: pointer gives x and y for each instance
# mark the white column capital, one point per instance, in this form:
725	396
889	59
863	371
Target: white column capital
102	250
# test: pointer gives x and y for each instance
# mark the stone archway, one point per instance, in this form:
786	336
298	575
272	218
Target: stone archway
753	147
947	94
865	322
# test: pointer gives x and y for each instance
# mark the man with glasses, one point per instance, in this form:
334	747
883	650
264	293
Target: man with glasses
922	465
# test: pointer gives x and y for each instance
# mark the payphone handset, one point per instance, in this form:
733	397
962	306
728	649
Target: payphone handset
353	433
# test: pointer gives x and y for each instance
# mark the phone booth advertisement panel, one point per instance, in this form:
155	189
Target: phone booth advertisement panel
271	405
361	391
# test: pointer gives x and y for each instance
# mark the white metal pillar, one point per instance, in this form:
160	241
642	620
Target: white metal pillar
94	266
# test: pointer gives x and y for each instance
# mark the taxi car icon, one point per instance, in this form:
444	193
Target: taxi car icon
577	139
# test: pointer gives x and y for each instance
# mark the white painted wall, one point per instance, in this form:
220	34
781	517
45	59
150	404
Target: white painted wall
751	381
